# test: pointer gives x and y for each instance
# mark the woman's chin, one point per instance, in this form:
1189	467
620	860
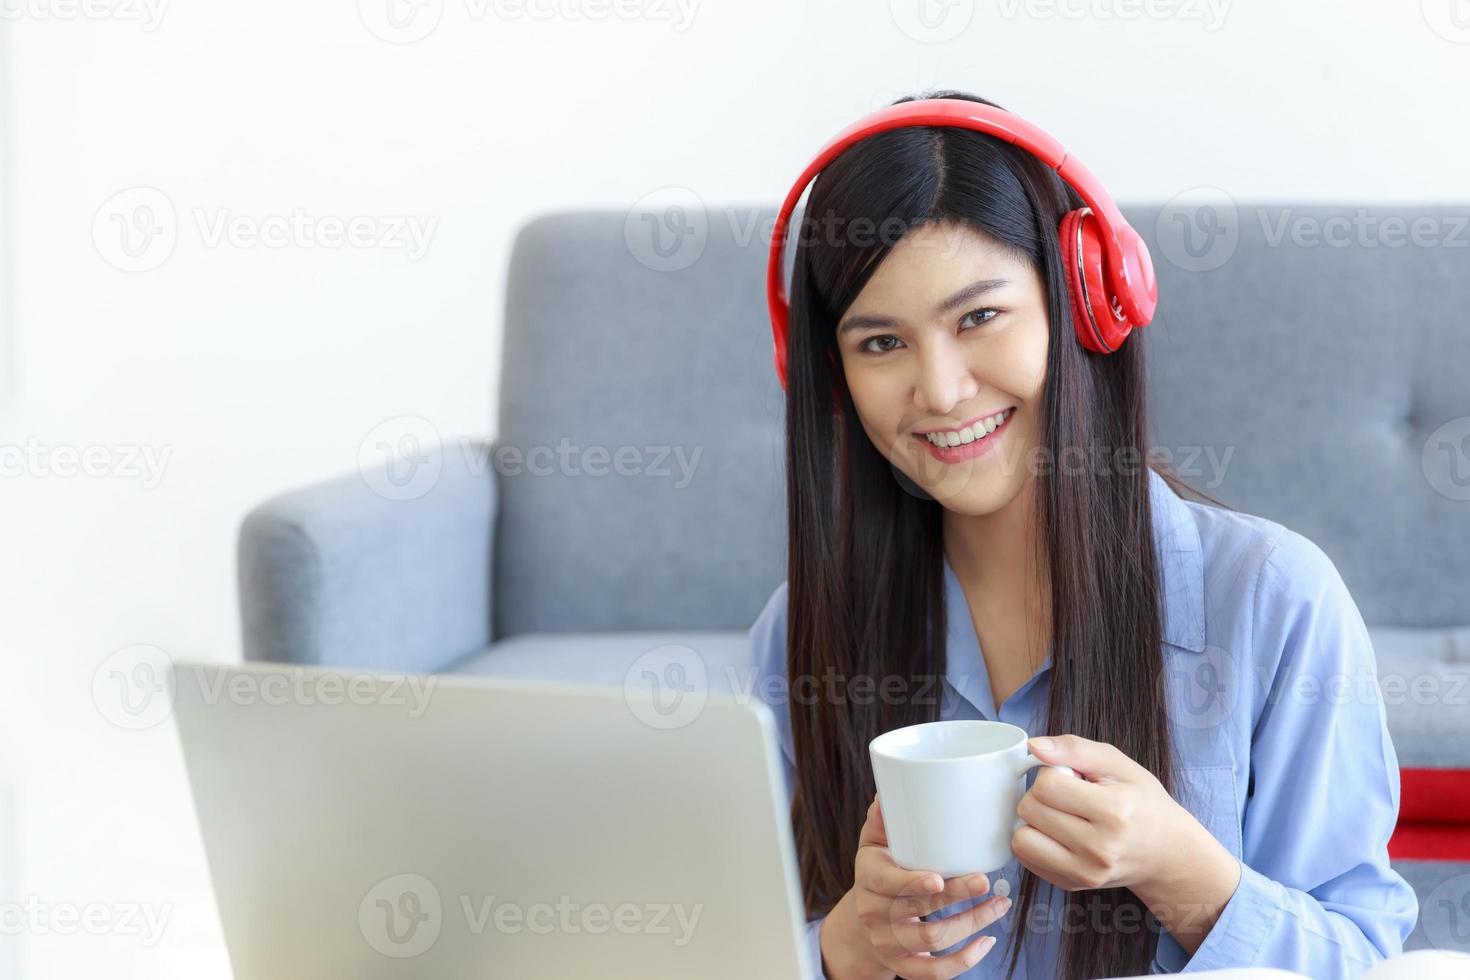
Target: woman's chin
972	488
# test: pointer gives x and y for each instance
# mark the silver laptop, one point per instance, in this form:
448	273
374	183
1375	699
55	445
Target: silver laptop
373	825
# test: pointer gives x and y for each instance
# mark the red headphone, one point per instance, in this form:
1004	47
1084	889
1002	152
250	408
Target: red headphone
1110	277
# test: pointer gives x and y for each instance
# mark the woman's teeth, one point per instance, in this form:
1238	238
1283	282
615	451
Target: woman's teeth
960	437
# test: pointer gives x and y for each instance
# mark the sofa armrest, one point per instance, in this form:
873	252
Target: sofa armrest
341	574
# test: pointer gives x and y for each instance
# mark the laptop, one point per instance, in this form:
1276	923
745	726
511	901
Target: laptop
376	825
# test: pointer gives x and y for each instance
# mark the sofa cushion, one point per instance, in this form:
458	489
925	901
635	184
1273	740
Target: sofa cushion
718	661
1424	675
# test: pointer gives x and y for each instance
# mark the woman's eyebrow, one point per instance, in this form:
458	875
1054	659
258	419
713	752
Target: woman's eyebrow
963	296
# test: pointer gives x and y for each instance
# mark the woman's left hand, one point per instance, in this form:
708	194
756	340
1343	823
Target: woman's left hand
1110	828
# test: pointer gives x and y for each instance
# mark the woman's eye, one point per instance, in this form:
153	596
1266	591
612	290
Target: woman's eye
866	346
887	341
991	310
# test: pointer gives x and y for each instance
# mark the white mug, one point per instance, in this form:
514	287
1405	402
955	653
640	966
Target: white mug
949	790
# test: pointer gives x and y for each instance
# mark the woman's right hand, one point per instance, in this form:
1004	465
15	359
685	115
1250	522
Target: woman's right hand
875	931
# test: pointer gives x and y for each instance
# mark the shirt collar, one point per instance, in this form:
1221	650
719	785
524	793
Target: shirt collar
1181	566
1182	592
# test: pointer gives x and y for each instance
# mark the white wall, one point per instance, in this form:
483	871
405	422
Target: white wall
248	370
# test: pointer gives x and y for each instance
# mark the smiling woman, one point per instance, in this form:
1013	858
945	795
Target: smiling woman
961	316
947	383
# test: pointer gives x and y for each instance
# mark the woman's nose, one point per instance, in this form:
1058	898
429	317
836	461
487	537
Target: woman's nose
944	381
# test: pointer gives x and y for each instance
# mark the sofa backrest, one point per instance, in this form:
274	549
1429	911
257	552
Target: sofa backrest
1309	364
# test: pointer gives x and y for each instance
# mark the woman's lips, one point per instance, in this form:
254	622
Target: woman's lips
970	450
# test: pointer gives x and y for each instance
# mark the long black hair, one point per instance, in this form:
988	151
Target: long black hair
865	560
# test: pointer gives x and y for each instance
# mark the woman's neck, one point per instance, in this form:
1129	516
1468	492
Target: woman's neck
1001	566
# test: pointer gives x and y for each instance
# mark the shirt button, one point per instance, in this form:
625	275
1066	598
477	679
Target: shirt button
1001	888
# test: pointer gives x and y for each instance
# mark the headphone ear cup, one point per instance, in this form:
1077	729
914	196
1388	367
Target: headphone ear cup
1098	326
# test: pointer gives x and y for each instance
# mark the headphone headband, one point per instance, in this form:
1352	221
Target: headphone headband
1126	268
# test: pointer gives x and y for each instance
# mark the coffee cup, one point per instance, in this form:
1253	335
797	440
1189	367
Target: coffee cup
949	790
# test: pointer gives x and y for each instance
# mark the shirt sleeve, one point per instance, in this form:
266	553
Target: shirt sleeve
768	656
1316	892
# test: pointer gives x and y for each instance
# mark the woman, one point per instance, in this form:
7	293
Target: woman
977	531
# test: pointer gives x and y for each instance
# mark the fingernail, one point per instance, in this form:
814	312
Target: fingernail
1004	904
1044	744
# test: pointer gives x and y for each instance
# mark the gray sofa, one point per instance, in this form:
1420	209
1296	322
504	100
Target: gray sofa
633	497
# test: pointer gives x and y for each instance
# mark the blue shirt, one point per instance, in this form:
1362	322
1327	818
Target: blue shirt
1280	729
